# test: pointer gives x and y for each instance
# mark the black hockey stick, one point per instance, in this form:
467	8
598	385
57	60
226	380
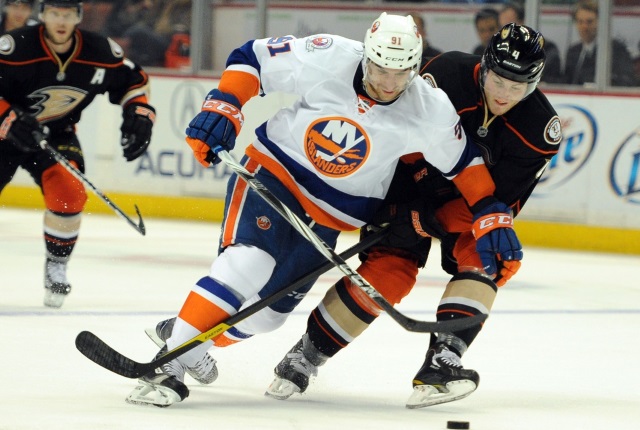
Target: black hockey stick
99	352
406	322
79	176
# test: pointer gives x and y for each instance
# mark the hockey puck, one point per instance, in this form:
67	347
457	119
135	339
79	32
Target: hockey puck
457	424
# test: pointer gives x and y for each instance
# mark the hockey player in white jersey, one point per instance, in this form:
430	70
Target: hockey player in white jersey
329	158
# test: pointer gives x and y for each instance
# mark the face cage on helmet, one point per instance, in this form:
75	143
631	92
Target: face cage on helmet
531	86
365	64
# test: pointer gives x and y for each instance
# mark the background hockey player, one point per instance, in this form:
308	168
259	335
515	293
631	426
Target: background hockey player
50	73
518	131
15	14
330	158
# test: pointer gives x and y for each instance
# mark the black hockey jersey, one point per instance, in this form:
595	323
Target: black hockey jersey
517	145
56	89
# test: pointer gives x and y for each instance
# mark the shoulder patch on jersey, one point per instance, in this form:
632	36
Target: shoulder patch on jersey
553	131
319	42
7	44
429	79
116	50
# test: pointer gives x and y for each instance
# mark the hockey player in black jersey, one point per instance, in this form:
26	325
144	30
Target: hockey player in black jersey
518	132
50	73
15	14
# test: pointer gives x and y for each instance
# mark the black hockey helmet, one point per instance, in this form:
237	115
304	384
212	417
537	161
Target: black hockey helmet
29	2
62	3
516	52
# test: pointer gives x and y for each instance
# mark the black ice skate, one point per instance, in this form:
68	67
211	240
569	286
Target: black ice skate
162	387
204	371
295	370
442	379
56	286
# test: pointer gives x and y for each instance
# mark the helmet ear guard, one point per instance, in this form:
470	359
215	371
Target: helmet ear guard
516	53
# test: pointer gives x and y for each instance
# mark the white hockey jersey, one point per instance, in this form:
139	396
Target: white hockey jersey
337	158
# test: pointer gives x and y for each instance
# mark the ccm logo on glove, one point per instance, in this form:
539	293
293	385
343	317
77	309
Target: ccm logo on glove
144	111
228	110
490	222
6	124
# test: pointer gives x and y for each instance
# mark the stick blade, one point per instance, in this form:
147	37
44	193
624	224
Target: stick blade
449	326
141	228
418	326
92	347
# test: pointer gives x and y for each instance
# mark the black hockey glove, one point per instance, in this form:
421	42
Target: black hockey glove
138	119
409	223
21	129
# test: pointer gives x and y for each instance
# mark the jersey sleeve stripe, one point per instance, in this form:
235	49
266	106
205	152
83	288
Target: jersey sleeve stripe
23	63
98	64
241	83
475	183
526	142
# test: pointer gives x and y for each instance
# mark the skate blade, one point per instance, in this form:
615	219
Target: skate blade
281	389
53	300
152	395
428	395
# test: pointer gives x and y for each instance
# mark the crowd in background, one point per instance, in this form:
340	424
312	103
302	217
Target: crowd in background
580	58
155	33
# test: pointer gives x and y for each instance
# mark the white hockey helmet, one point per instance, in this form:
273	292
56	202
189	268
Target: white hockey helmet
393	42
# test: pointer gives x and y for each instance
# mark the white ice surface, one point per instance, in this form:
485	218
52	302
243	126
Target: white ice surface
560	350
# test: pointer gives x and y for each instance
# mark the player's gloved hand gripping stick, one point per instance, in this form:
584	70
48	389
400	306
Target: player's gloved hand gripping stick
496	242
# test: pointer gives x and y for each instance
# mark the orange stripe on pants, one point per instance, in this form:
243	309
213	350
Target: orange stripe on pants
201	313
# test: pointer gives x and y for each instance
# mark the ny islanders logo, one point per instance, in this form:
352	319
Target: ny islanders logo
263	223
319	42
336	147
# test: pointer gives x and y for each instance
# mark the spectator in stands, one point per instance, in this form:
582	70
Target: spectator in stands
131	24
514	12
486	21
16	14
174	25
428	51
580	64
